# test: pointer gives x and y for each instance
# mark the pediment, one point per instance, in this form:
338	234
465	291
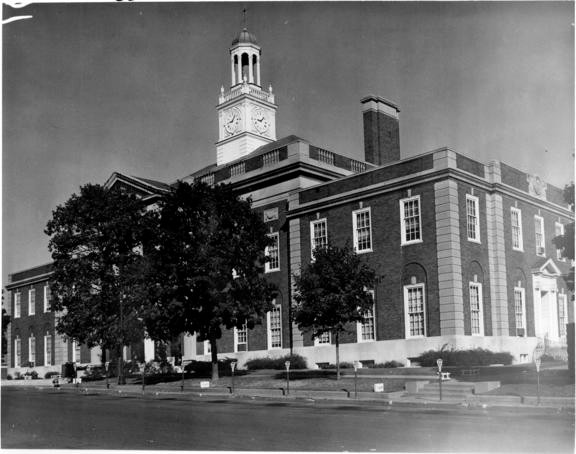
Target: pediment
139	187
548	268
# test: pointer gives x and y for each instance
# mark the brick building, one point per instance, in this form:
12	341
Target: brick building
462	249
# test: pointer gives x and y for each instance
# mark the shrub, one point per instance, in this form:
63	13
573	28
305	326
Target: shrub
392	364
51	374
296	362
473	357
204	368
9	377
94	373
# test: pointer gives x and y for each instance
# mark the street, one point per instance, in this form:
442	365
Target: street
50	419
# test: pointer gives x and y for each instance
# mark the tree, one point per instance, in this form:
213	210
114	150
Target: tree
205	261
565	242
332	293
95	245
5	323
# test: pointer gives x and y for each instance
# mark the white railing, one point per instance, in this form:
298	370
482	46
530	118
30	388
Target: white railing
246	89
326	156
237	169
270	158
357	166
208	179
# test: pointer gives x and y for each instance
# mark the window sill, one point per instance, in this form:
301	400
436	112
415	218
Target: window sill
272	271
409	243
364	251
471	240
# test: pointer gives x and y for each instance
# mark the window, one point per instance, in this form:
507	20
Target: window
559	231
476	313
362	230
366	330
47	350
539	235
207	347
75	352
274	323
32	349
323	339
318	235
415	310
520	311
17	352
47	297
31	301
562	314
17	302
410	220
472	218
241	339
516	219
272	252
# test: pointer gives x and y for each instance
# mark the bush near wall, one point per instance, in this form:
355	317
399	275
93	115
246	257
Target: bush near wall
296	362
473	357
204	368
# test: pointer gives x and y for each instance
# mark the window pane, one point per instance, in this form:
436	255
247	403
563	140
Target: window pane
415	310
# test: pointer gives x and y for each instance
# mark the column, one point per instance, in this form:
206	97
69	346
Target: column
239	69
449	258
148	350
189	347
250	70
233	69
295	262
258	70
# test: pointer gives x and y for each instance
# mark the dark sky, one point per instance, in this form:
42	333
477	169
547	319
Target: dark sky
93	88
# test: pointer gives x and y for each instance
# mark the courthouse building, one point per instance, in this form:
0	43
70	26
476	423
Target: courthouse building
462	249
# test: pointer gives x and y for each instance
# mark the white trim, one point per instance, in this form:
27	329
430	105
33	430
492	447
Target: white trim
407	288
76	352
540	249
32	301
355	229
207	347
17	352
562	304
312	238
46	298
476	202
359	325
317	342
403	240
480	308
32	349
267	267
518	212
236	343
278	308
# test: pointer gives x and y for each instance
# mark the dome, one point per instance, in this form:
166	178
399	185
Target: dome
245	37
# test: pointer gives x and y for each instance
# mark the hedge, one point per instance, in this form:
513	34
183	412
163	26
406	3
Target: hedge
296	362
472	357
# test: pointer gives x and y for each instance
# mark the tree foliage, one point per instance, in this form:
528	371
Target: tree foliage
566	242
5	322
332	293
206	265
95	245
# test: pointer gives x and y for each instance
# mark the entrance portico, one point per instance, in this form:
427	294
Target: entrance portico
545	290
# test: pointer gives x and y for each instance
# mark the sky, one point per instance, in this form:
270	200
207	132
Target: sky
94	88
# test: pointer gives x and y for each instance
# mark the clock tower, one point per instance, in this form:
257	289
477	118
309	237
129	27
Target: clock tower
246	113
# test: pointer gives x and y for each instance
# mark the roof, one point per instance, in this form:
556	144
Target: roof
245	37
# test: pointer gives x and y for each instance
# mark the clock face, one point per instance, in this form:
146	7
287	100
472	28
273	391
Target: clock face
231	120
260	121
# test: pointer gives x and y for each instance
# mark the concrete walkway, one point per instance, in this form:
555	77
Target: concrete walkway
399	398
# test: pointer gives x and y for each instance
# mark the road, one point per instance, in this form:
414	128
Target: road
33	419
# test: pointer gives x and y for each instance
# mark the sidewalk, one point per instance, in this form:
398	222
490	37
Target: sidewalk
398	399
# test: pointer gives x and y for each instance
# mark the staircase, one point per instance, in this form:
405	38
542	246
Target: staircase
451	391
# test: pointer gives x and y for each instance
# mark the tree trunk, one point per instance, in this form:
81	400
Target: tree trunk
214	353
337	336
121	377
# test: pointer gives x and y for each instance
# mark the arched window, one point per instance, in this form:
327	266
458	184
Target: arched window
245	67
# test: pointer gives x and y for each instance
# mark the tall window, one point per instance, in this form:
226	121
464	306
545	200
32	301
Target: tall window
559	231
17	304
472	218
207	347
366	330
274	323
47	350
46	298
520	311
539	235
32	349
318	235
411	223
415	310
362	230
562	314
75	352
31	301
476	318
273	253
324	339
241	339
17	352
516	219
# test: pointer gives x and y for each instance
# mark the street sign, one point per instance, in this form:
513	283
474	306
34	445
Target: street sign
539	350
439	363
233	365
287	364
538	361
357	365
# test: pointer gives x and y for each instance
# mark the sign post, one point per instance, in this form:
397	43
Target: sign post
106	366
184	362
287	364
233	366
439	363
356	366
143	370
538	362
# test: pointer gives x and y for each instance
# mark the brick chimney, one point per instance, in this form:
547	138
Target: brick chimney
381	130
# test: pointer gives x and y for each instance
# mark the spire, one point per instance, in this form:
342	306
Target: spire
244	22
